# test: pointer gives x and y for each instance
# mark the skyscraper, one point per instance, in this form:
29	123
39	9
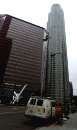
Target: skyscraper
57	73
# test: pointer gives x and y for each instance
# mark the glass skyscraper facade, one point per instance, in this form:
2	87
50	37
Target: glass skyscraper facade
57	72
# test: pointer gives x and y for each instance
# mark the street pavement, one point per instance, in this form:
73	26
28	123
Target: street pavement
70	124
12	118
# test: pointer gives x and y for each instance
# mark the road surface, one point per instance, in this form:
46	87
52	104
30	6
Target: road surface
12	118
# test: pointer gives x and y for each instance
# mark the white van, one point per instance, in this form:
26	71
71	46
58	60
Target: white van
40	107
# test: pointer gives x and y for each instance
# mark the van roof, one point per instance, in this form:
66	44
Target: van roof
39	97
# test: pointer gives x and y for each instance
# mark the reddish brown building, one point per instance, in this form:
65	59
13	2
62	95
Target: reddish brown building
22	52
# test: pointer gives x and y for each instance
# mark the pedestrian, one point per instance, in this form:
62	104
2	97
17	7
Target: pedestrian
58	112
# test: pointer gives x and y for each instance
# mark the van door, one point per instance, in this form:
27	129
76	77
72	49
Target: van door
39	106
31	106
47	106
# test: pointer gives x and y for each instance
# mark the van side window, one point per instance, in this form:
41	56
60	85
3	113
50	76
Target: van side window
33	101
40	102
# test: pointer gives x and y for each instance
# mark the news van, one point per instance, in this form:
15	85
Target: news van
40	107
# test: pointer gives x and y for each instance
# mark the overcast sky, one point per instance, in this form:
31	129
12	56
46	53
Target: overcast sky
36	11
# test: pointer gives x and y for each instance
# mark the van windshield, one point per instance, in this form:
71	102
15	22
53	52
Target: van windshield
40	102
32	102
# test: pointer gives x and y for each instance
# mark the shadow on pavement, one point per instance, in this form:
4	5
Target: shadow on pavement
38	122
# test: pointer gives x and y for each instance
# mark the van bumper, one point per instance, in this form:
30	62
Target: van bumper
36	116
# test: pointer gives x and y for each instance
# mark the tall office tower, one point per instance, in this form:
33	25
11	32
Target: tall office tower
57	55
